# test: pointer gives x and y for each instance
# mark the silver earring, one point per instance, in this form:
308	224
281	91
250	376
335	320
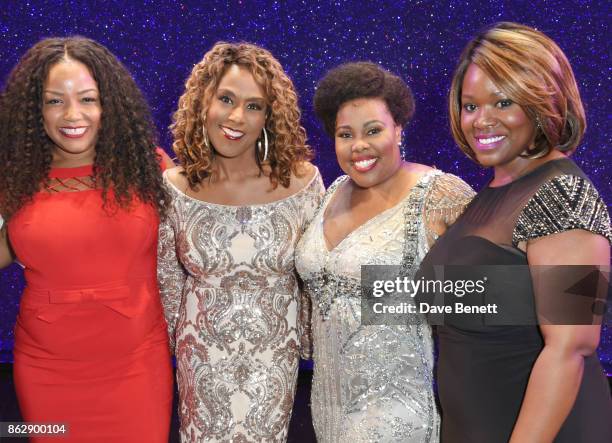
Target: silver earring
538	123
402	150
265	145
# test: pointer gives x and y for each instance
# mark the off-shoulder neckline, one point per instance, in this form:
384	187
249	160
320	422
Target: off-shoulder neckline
275	202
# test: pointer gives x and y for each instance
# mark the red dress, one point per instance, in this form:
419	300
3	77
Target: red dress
91	347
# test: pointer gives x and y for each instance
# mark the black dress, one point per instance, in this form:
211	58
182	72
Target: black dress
484	367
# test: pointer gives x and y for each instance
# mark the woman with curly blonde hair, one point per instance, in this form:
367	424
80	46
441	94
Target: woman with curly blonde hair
241	199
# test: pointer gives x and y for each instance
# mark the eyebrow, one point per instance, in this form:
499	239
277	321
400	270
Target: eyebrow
492	94
61	93
368	123
249	99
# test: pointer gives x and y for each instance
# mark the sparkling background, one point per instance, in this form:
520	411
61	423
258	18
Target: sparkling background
159	41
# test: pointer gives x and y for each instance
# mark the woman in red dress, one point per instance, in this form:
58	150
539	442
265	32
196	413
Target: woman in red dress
81	191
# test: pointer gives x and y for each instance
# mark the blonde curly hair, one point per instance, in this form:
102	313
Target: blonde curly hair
287	138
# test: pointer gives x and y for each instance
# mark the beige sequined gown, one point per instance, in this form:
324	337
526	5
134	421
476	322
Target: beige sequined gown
374	383
232	303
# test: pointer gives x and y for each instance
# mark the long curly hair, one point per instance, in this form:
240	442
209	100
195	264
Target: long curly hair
287	139
534	72
126	163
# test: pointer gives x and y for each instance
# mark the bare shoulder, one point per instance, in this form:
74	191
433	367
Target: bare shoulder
419	169
305	173
177	177
413	172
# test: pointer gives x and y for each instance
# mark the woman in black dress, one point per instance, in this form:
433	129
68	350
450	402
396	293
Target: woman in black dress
516	376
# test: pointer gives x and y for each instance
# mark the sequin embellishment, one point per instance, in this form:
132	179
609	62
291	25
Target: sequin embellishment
235	313
373	383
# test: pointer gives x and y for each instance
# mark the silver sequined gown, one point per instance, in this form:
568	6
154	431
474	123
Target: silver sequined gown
232	303
374	383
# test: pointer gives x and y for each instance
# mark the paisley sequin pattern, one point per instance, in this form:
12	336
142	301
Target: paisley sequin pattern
374	383
235	314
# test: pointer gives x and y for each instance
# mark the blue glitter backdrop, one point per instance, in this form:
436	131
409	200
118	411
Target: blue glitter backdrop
159	41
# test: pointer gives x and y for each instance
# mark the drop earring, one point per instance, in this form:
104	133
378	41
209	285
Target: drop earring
265	146
402	150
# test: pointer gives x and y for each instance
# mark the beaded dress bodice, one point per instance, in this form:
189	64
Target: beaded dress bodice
232	302
373	383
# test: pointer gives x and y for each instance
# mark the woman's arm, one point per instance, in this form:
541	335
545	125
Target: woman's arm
309	206
557	373
171	274
171	277
6	254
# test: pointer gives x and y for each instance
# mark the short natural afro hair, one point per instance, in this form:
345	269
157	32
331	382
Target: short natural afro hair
351	81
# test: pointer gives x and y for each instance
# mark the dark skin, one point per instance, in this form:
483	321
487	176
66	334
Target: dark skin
235	119
557	373
352	206
6	254
366	133
241	187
